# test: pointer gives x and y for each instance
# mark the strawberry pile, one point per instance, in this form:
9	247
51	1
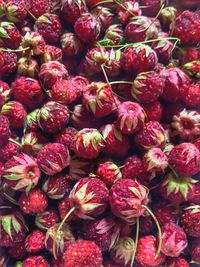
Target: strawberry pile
99	133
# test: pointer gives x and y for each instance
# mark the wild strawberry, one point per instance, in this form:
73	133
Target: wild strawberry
127	198
190	220
15	10
187	28
116	144
80	167
153	110
9	150
147	245
138	59
34	242
13	227
34	202
147	87
104	16
1	170
71	45
174	240
64	207
87	143
128	9
189	54
39	7
51	53
27	67
10	36
194	196
18	251
34	43
195	250
31	122
28	92
114	35
192	96
185	159
173	262
123	251
53	117
5	133
4	93
83	253
46	219
8	64
32	143
35	261
152	135
152	7
192	68
104	232
66	136
87	28
53	158
63	239
176	189
113	65
15	112
51	72
49	26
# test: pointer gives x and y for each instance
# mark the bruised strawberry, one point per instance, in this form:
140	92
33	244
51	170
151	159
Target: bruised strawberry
34	242
8	64
190	220
46	219
127	10
71	45
5	133
27	67
153	110
10	36
34	43
4	93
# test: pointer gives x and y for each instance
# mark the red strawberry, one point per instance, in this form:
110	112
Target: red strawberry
8	151
53	117
34	242
190	220
64	207
32	143
126	199
53	158
51	53
35	261
10	36
8	64
34	43
152	7
192	68
46	219
138	59
128	10
87	143
5	133
66	136
31	123
104	232
71	45
187	28
104	16
57	186
83	253
114	35
28	67
147	245
18	251
80	167
174	240
195	250
189	54
49	26
194	196
116	144
185	159
174	262
34	202
4	93
153	110
15	10
147	87
87	28
39	7
192	97
27	91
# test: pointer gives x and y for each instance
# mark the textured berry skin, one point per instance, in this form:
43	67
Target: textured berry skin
185	159
64	207
31	122
152	7
15	10
83	253
53	158
195	249
28	67
11	37
146	251
35	261
126	199
51	53
34	242
114	34
5	133
18	251
90	197
153	110
8	151
34	202
35	42
138	59
187	28
87	28
66	136
8	64
39	7
4	93
125	13
71	45
180	262
192	96
104	16
28	92
72	10
46	219
53	117
190	220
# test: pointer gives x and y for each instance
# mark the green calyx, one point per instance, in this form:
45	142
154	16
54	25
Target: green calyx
10	223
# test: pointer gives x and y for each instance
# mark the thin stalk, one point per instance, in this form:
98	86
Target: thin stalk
14	141
136	240
29	12
102	2
15	51
5	207
122	6
9	198
121	82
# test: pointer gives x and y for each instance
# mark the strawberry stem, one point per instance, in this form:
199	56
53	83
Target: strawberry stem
15	142
136	240
121	82
122	6
59	227
16	50
5	207
159	230
29	12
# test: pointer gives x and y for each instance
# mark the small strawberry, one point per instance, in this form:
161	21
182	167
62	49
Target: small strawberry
5	132
83	253
66	136
104	16
192	68
114	35
113	65
53	117
167	16
71	45
147	224
64	207
192	96
8	64
28	67
4	93
80	167
8	151
34	242
39	7
147	245
189	54
152	7
51	53
190	220
128	10
174	262
153	110
34	202
46	219
32	143
31	122
34	43
18	251
15	10
10	36
195	250
35	261
53	158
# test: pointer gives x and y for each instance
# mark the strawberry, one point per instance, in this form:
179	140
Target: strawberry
190	220
15	10
57	186
187	28
51	53
10	36
127	10
34	43
114	35
8	151
180	262
4	93
18	251
189	54
8	64
192	68
152	7
39	7
123	251
83	253
46	219
153	110
147	87
80	167
66	136
167	16
53	158
104	232
32	143
35	261
49	26
152	135
195	250
28	67
28	92
34	202
116	144
87	143
34	242
104	16
1	170
127	198
87	28
192	97
174	240
138	59
113	65
185	159
15	112
71	45
5	133
31	122
147	245
64	207
53	117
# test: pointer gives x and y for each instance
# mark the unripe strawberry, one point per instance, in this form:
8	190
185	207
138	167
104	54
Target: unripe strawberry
127	10
35	42
32	143
27	67
10	36
4	93
46	219
71	45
